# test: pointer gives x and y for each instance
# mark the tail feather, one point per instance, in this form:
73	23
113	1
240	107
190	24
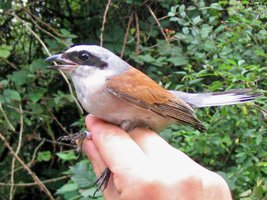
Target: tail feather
230	97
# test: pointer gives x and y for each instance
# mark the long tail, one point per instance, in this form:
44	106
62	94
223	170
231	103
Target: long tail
230	97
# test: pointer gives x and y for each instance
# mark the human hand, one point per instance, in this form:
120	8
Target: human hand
144	166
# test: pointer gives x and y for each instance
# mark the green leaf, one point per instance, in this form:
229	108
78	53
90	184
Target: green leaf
166	134
44	156
6	5
82	175
182	8
258	139
164	49
5	51
205	30
147	58
37	108
66	156
185	30
197	80
89	192
36	95
171	14
179	36
3	83
12	95
37	65
216	6
174	19
220	28
67	34
196	20
191	8
264	170
177	51
261	53
178	60
183	22
174	8
19	77
67	188
115	34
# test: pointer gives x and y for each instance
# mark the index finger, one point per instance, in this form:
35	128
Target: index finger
115	146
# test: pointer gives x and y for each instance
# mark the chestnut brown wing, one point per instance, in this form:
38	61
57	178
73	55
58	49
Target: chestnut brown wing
135	87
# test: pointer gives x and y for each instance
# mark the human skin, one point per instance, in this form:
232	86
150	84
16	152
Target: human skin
144	166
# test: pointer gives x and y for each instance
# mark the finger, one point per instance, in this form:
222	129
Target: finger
93	155
155	146
150	142
99	166
115	146
169	160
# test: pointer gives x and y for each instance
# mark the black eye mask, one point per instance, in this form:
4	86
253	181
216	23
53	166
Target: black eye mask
85	58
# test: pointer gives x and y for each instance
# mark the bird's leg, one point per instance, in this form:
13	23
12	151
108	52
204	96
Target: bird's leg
76	138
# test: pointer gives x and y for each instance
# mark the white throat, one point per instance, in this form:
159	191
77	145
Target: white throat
89	84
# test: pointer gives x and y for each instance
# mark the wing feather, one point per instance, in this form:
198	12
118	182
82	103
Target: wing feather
135	87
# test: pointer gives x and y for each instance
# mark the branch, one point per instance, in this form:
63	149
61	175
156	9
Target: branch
57	121
126	35
103	22
164	17
34	153
41	29
47	51
54	142
158	23
137	46
30	164
50	132
26	168
6	118
34	184
38	19
17	152
9	63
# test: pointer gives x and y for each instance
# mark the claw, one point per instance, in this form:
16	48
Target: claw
102	181
78	138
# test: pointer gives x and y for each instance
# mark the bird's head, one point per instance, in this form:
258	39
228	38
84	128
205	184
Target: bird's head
83	59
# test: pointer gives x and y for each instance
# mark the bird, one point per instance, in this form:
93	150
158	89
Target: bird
111	89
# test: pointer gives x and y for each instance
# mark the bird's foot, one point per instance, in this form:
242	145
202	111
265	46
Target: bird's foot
102	181
76	138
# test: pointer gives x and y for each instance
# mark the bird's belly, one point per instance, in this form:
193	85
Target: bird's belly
112	109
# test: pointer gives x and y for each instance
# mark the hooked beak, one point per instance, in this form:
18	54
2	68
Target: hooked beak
64	64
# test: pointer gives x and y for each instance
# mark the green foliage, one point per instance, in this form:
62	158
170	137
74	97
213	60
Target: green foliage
213	46
5	51
44	156
66	156
81	184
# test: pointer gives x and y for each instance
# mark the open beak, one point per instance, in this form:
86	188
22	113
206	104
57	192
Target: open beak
64	64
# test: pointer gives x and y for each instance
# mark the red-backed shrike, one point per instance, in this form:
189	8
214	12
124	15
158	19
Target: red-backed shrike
112	90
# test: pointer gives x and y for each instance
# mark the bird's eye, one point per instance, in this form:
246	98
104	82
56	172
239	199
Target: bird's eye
84	56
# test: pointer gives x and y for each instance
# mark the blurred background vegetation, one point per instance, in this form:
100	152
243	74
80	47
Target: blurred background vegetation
190	46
